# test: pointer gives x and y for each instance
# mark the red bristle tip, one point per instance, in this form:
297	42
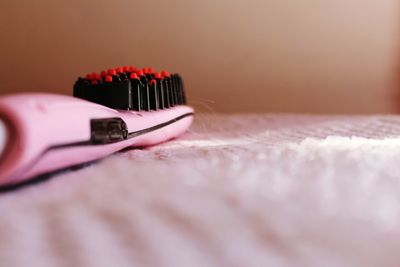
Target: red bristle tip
103	73
125	68
153	82
150	70
120	70
89	76
108	78
94	82
112	72
140	72
144	70
134	76
157	75
132	69
164	74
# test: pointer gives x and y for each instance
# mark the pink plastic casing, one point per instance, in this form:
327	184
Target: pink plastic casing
39	121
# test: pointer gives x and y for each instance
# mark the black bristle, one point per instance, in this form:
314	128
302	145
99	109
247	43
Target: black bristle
175	89
166	93
144	96
171	93
135	95
160	93
153	95
181	96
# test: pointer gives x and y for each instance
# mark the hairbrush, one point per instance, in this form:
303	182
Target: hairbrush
110	111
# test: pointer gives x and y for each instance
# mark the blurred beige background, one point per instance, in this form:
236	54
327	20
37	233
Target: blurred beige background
332	56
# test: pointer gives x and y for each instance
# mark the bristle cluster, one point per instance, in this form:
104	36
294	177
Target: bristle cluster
131	88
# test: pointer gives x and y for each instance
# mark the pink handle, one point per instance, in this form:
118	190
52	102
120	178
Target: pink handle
49	132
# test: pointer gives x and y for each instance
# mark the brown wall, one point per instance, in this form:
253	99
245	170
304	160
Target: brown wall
337	56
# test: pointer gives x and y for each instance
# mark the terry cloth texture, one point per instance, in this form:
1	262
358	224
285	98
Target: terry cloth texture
236	190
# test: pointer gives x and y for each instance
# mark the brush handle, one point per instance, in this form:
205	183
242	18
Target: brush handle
48	132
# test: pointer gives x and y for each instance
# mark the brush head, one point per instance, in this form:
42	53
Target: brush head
130	88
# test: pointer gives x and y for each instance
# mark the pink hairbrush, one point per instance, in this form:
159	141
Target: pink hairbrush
41	133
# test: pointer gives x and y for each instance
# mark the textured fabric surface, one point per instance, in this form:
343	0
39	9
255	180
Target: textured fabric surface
237	190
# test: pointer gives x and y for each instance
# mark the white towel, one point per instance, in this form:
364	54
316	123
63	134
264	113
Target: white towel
236	190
